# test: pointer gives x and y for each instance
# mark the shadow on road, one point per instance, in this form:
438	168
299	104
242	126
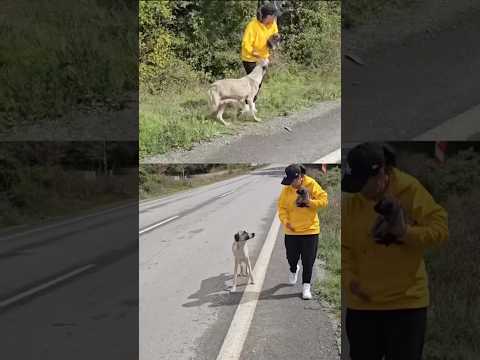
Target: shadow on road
213	291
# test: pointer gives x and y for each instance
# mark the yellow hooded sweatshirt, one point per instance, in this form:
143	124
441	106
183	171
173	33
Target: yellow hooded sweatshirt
303	220
255	38
394	276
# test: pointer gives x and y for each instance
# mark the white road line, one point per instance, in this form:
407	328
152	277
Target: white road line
158	224
459	128
65	222
44	286
333	158
237	333
223	195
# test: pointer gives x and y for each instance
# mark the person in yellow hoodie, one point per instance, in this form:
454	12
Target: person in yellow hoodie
254	42
300	223
385	282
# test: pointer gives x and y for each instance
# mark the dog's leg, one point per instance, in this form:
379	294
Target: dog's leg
252	109
250	272
220	114
235	270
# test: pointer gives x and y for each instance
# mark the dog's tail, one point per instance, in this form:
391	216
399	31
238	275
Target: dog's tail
213	97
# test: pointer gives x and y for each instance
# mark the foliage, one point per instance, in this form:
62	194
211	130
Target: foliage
57	56
182	41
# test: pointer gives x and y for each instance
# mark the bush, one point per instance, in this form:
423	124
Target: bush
69	57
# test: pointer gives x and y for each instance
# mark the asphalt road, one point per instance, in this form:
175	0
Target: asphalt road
186	267
310	135
410	87
70	289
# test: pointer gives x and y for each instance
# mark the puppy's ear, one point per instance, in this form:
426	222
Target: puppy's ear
237	236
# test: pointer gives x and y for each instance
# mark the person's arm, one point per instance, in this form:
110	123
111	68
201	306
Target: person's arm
249	40
275	27
431	220
347	254
282	208
319	197
349	278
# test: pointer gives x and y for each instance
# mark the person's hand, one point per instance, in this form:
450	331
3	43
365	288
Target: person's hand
289	227
358	291
255	54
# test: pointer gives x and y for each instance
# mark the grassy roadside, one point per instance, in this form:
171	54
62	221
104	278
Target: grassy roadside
182	118
58	56
156	185
328	287
453	325
34	201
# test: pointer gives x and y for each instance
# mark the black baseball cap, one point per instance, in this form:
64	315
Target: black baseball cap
364	161
292	172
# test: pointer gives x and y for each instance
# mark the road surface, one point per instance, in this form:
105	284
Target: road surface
70	288
186	264
303	137
412	86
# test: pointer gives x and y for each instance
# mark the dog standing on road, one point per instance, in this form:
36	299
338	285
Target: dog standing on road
242	259
236	91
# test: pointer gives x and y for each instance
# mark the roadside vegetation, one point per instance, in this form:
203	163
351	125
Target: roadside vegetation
328	287
158	180
454	316
43	181
59	56
185	45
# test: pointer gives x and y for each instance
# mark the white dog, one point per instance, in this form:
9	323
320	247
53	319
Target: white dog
236	91
242	260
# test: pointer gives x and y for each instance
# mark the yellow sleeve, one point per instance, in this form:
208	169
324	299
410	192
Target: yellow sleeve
282	208
431	220
275	27
319	197
248	39
347	252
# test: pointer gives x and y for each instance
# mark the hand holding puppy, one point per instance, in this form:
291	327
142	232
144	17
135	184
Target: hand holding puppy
303	198
390	226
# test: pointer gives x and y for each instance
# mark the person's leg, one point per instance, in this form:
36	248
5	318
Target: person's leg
364	333
292	246
249	66
405	331
309	254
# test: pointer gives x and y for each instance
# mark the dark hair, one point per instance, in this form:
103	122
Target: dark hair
303	169
265	10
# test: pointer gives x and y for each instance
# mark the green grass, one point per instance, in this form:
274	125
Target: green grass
58	56
454	316
45	193
328	288
453	325
161	185
180	120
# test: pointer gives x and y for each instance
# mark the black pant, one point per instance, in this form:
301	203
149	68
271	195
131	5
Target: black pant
249	66
304	246
393	334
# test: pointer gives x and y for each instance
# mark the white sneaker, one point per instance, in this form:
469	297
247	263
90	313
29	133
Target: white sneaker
292	277
307	295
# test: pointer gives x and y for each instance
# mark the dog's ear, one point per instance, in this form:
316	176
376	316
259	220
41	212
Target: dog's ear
237	236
